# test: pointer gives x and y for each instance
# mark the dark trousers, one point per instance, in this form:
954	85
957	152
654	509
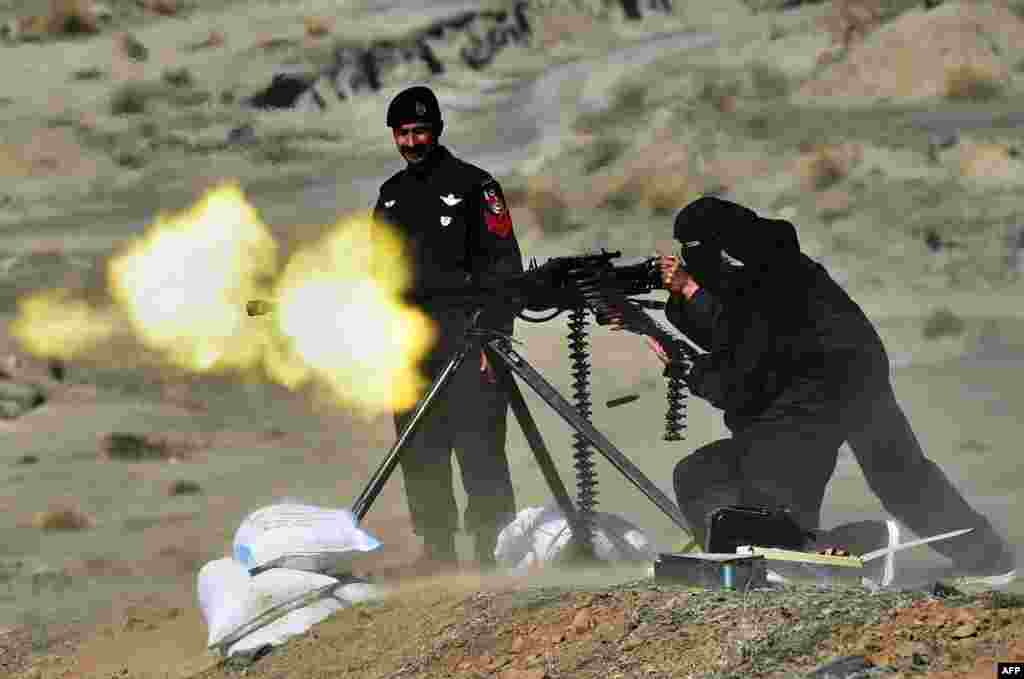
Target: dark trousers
469	417
788	461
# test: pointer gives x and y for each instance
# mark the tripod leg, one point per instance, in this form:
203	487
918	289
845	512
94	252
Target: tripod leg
557	402
540	450
387	466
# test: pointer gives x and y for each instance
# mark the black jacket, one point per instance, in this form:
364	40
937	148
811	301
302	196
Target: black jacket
455	220
785	338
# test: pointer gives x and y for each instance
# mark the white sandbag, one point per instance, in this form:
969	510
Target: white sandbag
231	599
300	620
244	612
300	537
224	588
291	625
538	535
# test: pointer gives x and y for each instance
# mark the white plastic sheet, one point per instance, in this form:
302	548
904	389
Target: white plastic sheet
538	535
301	537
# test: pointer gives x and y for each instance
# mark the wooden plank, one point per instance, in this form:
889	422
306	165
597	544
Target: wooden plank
774	554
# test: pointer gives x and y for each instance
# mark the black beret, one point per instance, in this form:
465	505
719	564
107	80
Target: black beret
414	105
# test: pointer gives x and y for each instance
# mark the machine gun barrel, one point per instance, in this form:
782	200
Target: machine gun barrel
559	284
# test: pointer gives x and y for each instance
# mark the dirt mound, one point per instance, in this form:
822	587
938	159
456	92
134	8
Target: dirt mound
962	49
456	628
989	163
47	153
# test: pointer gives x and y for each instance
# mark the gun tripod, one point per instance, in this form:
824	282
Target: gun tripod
500	352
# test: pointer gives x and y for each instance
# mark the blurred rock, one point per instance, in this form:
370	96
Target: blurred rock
178	77
847	667
27	459
317	26
941	590
242	135
132	47
989	163
943	140
66	17
942	323
10	410
62	519
162	7
936	243
939	142
133	447
821	166
295	90
213	39
1015	250
183	487
24	396
90	73
102	13
726	103
149	447
57	369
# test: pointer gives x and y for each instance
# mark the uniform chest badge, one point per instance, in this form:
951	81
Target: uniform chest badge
389	203
445	220
451	200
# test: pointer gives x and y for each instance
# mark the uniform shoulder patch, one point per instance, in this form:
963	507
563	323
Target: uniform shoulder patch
496	213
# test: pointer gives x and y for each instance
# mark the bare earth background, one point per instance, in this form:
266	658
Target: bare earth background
869	139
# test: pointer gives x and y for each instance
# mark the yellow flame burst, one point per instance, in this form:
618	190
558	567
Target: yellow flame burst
185	284
53	324
344	323
182	288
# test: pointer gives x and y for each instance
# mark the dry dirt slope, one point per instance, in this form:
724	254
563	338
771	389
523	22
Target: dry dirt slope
465	628
643	629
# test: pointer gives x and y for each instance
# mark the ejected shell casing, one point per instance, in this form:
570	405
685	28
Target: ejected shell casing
622	400
258	307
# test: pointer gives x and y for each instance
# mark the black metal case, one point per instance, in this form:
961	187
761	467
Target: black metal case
733	526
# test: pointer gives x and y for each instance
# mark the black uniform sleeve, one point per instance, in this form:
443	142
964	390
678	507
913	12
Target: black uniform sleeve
740	372
695	317
496	250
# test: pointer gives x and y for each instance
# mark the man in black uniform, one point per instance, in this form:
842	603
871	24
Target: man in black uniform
798	369
456	223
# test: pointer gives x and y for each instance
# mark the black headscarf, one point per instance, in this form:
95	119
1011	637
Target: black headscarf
708	226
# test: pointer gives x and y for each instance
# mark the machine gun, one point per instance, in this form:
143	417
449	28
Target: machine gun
578	285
